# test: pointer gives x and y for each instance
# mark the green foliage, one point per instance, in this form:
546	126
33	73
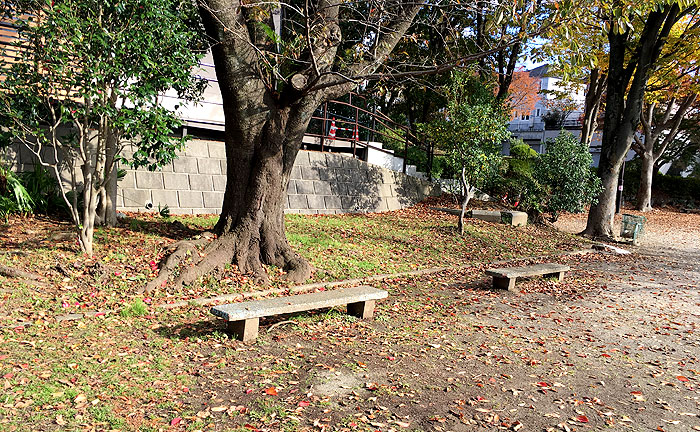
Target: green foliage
118	55
560	180
471	130
553	119
43	189
164	211
682	190
521	151
667	189
566	174
14	197
517	183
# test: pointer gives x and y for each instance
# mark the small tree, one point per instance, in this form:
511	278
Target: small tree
87	77
566	174
472	131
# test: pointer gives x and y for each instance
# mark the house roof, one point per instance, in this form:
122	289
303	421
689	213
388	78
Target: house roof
540	71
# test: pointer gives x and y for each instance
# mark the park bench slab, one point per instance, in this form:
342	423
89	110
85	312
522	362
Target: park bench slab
243	318
504	278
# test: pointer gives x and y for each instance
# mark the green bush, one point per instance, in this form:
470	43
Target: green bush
674	190
681	190
566	175
521	151
517	185
560	180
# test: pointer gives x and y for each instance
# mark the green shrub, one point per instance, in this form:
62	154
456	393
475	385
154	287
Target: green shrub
521	151
681	190
560	180
566	175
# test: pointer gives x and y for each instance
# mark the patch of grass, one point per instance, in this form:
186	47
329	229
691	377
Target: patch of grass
135	309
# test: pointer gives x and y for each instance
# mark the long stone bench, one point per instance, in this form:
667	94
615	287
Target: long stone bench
504	278
244	318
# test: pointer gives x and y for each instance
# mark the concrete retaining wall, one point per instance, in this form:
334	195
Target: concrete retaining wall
194	183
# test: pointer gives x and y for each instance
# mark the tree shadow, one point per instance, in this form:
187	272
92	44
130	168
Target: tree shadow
207	328
174	230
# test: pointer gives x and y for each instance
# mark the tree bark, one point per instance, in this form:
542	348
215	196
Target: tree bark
107	207
594	96
265	124
652	147
645	181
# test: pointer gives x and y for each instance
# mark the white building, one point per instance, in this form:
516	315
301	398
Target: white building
531	125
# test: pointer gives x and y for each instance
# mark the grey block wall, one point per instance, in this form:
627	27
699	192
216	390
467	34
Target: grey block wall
339	183
320	183
192	183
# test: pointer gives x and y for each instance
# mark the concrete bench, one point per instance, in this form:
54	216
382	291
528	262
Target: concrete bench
244	318
504	278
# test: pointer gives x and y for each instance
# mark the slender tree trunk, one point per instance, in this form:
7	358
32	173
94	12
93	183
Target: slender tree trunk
645	181
107	207
467	194
594	95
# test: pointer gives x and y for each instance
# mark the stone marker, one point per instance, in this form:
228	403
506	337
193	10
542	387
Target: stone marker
508	217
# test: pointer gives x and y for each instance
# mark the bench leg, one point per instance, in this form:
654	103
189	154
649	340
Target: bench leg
504	283
364	310
244	330
558	276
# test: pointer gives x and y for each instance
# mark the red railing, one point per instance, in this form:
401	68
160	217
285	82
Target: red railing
380	126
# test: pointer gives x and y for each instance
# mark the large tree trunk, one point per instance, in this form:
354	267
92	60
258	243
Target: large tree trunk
645	181
601	215
250	230
627	80
265	123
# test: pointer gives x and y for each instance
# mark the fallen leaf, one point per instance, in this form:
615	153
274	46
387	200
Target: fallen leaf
581	419
272	391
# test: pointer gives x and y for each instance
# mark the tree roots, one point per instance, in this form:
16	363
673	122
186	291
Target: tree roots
243	251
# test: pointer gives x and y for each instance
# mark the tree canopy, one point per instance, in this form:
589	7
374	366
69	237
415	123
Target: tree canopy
85	78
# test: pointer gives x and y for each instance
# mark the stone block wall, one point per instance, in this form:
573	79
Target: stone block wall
320	183
323	183
192	183
339	183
